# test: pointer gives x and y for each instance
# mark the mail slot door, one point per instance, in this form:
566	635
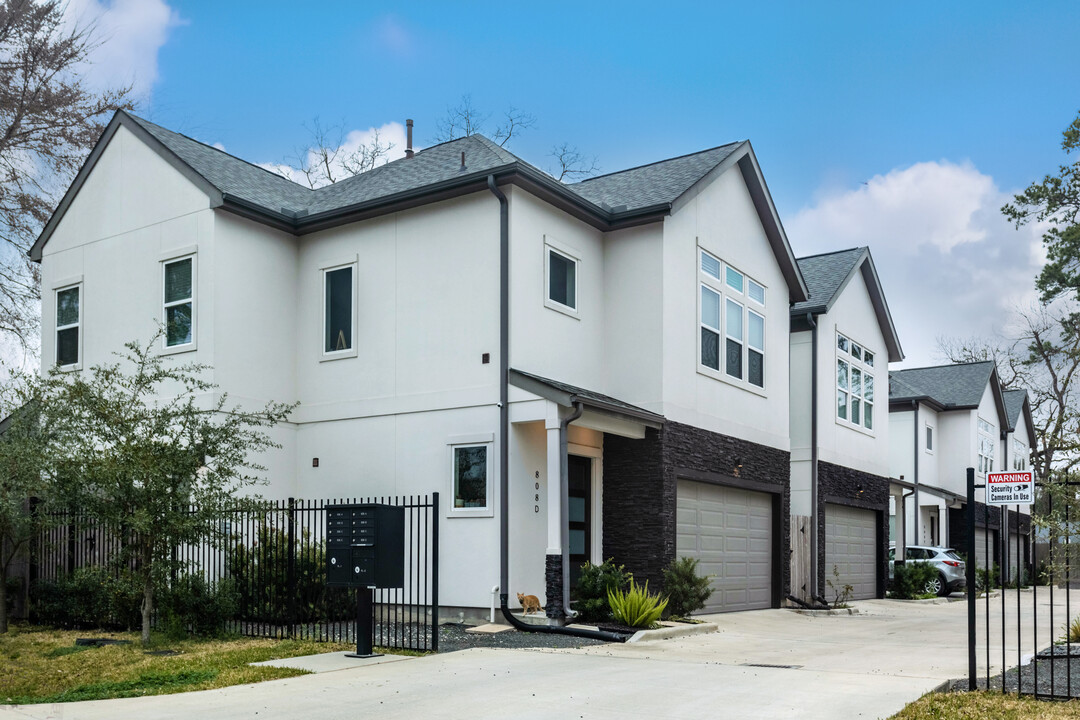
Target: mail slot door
339	566
364	565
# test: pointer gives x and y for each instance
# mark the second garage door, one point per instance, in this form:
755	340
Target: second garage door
851	547
729	531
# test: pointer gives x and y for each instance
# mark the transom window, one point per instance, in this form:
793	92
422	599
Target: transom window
179	301
68	321
854	383
732	322
986	447
338	294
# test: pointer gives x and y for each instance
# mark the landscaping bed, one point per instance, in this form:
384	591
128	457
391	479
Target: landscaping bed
452	637
988	705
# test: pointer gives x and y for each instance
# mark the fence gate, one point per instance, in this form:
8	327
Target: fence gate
1018	623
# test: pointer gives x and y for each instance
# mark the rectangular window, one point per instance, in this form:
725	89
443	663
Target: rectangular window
179	301
757	292
562	279
929	438
734	279
1020	455
755	354
986	447
854	383
710	328
338	313
738	350
68	320
734	331
470	477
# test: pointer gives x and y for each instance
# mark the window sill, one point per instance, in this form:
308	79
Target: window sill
340	355
728	380
455	512
178	349
559	307
69	368
857	428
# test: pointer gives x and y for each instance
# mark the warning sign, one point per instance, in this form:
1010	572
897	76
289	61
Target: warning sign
1010	488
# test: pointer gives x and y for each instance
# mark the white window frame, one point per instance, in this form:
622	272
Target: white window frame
551	245
985	462
486	441
324	270
748	305
70	284
1021	455
165	261
848	356
928	435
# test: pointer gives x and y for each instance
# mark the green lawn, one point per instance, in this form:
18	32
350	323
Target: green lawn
986	706
43	665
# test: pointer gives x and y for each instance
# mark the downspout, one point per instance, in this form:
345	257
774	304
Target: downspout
815	589
915	457
564	502
504	435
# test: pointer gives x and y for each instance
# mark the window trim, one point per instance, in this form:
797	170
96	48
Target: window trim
848	357
1021	455
551	245
487	441
727	293
57	289
165	261
990	434
928	438
324	269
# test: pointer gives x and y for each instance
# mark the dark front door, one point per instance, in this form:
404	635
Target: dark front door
578	519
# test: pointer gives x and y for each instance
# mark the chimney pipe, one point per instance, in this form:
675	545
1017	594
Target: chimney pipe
408	145
462	161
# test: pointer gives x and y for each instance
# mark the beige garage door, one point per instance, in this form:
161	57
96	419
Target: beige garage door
851	547
984	543
730	531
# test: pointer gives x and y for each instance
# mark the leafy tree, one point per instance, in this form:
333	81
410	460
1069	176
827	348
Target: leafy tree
49	120
1056	201
144	446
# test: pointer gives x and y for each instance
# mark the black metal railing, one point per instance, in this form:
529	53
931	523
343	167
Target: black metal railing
271	558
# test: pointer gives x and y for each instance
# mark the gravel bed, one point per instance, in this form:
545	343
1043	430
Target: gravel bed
1055	677
452	636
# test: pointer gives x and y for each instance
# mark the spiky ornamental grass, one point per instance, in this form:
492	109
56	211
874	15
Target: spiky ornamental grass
636	607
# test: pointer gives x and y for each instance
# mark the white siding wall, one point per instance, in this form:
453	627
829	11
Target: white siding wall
801	413
900	454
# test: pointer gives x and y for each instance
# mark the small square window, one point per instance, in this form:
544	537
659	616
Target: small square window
842	343
338	312
868	358
562	279
710	265
757	292
856	351
470	477
734	279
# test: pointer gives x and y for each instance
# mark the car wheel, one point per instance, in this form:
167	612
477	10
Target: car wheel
937	586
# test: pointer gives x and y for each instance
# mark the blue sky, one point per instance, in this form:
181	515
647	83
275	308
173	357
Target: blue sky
902	126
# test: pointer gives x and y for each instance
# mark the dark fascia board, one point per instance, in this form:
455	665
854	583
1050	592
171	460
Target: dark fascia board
121	118
566	399
905	403
999	401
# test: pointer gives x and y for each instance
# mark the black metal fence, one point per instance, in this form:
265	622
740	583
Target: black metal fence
272	560
1019	637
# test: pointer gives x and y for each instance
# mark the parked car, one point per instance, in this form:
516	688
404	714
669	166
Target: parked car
952	572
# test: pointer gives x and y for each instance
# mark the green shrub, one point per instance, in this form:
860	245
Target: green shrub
192	606
636	607
910	579
987	579
1073	630
593	586
687	592
87	598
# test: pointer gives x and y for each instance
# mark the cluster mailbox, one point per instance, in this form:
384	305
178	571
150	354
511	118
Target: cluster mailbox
365	546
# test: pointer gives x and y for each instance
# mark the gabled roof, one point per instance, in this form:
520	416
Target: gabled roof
1017	403
826	277
947	387
624	199
566	395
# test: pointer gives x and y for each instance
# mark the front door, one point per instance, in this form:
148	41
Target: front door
578	519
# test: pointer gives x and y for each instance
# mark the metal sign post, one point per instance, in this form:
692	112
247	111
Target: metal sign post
970	567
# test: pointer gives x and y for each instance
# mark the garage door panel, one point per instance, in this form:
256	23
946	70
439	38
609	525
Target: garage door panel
729	530
851	547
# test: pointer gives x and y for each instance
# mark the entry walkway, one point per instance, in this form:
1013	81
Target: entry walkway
867	665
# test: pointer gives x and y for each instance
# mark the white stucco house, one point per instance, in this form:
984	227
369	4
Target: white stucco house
584	371
944	420
842	341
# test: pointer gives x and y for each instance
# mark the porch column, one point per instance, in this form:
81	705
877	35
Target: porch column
899	523
553	562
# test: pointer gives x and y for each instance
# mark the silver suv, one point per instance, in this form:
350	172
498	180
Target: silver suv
951	569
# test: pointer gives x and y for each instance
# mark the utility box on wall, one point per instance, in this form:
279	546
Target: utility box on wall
365	546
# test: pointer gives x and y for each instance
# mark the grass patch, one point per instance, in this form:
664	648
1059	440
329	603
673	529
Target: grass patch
50	668
988	705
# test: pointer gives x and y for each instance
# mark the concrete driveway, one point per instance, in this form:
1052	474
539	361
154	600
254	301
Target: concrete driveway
867	665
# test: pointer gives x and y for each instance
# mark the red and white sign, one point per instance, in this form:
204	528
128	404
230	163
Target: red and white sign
1010	488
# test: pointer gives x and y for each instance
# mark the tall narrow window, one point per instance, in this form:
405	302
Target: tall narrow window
179	302
68	319
562	279
755	355
986	447
854	383
338	313
734	327
929	438
710	328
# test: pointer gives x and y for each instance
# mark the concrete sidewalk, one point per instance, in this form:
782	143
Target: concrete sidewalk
867	665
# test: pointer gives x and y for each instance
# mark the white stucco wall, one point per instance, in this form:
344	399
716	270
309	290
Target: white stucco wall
901	461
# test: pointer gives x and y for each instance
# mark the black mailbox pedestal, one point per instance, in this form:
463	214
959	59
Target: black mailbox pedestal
365	547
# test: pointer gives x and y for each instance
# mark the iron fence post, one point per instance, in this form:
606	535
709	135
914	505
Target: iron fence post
292	567
972	560
435	572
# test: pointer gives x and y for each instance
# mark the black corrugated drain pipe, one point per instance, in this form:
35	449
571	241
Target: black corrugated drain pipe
504	437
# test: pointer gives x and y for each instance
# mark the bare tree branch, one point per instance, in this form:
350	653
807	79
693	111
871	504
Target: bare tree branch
571	164
514	121
461	121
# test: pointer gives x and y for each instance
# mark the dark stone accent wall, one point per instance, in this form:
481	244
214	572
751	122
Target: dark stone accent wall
553	578
846	486
641	482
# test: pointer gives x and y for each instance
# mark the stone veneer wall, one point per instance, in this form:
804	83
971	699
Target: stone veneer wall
640	487
847	486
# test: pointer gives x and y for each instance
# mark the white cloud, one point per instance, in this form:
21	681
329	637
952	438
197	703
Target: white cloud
950	263
130	33
392	132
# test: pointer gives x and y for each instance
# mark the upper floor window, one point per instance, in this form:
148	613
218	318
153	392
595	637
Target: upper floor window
68	322
929	438
986	447
854	383
339	296
179	301
1020	455
731	317
561	273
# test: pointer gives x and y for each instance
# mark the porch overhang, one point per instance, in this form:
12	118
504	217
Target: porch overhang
951	499
600	412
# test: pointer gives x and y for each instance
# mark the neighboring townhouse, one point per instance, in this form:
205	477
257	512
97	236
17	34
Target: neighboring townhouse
842	341
944	420
583	371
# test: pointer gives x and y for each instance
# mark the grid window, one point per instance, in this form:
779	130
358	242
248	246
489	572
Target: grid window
338	312
1020	455
855	398
986	447
68	321
179	302
732	301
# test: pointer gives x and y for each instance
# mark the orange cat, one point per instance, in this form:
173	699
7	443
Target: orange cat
529	603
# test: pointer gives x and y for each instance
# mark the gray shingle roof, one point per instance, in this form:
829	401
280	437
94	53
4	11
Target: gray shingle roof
825	275
653	184
950	385
1014	405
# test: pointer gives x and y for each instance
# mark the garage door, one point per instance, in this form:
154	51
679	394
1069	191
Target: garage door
730	532
982	537
851	547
